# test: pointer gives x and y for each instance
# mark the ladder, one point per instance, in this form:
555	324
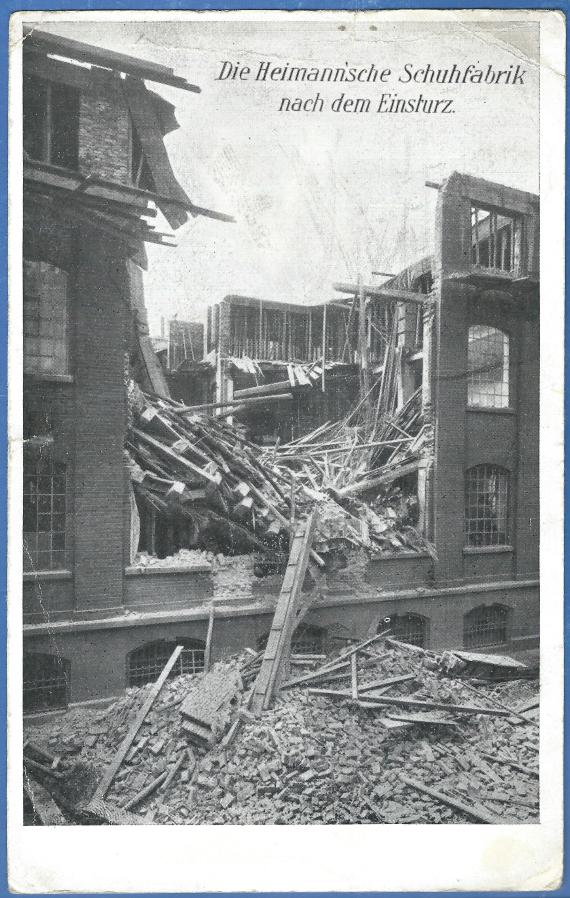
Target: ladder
286	616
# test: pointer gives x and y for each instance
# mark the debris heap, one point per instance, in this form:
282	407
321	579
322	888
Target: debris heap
225	494
381	733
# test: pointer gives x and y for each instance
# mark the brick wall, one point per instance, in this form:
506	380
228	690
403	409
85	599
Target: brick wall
104	129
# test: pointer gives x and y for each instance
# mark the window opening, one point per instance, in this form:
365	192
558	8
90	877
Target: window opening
47	680
44	513
496	239
46	330
487	367
486	506
485	626
408	627
307	640
51	122
147	662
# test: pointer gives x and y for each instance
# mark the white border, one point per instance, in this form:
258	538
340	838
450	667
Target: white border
338	858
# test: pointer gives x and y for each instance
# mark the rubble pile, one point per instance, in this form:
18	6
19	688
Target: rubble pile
393	736
225	494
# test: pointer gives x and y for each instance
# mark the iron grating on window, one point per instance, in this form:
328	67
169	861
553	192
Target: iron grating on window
46	330
145	664
47	680
487	367
487	506
485	626
307	640
409	628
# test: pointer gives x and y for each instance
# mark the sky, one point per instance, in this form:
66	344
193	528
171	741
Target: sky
320	197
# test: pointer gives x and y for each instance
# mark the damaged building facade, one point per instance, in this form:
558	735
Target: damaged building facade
462	331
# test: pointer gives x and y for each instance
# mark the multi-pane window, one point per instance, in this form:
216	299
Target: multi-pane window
44	513
410	628
485	626
46	328
487	367
51	122
145	664
46	682
487	506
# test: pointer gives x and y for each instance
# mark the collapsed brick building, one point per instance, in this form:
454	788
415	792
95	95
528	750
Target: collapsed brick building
465	321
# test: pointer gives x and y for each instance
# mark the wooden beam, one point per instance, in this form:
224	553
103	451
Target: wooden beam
390	294
436	706
480	815
125	745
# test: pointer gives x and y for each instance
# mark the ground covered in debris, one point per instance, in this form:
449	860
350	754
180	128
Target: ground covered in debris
320	755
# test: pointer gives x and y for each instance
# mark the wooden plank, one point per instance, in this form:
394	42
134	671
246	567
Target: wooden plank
354	676
43	804
208	648
125	745
148	790
438	706
480	815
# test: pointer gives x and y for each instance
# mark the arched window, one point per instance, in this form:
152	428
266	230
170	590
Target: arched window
487	367
487	506
44	512
407	627
307	640
47	681
145	664
485	625
46	331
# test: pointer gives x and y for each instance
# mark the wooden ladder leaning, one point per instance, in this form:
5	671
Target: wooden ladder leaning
285	619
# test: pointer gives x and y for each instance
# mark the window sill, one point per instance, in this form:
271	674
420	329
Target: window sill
487	550
159	571
47	575
55	378
487	409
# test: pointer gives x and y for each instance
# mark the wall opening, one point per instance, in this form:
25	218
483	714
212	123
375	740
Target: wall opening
308	639
487	506
145	663
408	627
496	239
44	511
47	682
487	367
485	625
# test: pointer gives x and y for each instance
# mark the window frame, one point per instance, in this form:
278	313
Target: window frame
65	666
469	503
46	129
506	334
503	624
190	643
68	317
66	550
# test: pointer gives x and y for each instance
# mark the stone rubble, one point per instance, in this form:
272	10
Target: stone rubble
314	758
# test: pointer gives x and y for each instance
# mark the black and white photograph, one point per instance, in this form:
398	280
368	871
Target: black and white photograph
278	399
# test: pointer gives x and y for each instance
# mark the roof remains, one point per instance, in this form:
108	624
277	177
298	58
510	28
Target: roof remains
108	59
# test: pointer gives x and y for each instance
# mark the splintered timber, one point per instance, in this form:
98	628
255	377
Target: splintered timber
473	73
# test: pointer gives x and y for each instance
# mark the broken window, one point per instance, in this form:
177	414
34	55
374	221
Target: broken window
487	367
51	122
487	506
47	680
44	512
46	326
145	664
485	626
408	627
496	239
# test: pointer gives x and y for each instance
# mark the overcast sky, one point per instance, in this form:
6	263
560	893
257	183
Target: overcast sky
319	196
